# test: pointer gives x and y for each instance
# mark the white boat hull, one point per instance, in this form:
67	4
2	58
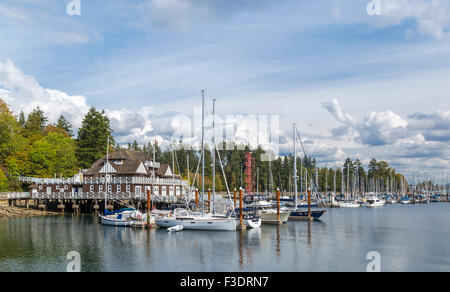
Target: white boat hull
115	222
349	205
374	205
250	223
199	224
271	217
175	228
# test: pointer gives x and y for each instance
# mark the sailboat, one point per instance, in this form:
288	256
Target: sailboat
198	221
296	213
126	217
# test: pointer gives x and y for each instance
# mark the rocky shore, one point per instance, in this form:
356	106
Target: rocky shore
12	212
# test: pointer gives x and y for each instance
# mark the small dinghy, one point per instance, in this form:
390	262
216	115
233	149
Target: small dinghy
175	228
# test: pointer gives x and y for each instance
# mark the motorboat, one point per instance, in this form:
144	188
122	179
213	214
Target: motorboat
269	215
375	202
349	204
250	217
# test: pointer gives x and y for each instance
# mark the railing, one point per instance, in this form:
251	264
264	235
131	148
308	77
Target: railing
14	195
101	196
102	180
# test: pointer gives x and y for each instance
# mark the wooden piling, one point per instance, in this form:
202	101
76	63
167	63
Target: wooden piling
196	198
209	199
278	205
241	218
148	226
309	204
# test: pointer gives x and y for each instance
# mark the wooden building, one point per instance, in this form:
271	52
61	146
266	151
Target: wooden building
126	172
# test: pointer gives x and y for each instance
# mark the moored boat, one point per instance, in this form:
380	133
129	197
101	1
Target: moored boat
302	214
374	202
250	217
124	217
268	214
349	204
196	221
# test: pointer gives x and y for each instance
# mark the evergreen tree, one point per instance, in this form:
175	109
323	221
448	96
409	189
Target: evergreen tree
22	119
35	123
65	125
92	137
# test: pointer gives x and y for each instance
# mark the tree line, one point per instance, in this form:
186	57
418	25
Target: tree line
30	146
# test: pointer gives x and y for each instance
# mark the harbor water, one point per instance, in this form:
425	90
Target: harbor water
407	238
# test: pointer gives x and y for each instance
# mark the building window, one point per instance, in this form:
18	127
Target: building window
171	191
138	190
118	188
164	190
109	188
66	187
91	188
128	188
57	187
100	188
41	187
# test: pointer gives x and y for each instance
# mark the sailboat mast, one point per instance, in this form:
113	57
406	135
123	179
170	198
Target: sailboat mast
214	158
295	166
203	152
106	171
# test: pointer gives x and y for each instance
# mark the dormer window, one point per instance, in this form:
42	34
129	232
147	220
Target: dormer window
118	162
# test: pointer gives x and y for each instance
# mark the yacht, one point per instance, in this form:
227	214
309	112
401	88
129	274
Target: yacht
348	204
250	217
375	202
269	214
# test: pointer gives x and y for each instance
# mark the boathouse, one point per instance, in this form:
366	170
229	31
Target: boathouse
127	173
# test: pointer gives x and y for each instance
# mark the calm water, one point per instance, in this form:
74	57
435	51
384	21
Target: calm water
408	238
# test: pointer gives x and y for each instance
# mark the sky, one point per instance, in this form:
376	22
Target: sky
356	83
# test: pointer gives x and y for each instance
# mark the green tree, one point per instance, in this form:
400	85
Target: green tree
10	138
65	125
3	181
22	119
92	137
36	122
54	154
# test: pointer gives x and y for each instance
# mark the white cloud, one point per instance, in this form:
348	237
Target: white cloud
381	128
432	16
24	93
374	129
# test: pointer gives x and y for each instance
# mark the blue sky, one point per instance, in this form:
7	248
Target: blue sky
146	61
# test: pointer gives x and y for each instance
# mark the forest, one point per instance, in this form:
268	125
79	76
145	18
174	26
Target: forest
30	146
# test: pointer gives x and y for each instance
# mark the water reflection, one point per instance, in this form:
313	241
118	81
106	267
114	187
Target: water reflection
341	242
309	233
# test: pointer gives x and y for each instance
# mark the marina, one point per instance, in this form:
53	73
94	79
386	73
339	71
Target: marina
340	241
225	136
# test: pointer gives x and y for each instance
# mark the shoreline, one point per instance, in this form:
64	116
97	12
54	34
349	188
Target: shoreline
18	212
